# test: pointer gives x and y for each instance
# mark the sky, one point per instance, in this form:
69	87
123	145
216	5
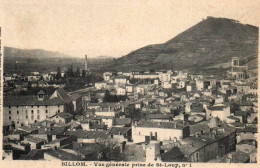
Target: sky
110	28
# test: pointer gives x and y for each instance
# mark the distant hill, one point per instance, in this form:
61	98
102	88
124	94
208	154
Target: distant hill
29	60
211	42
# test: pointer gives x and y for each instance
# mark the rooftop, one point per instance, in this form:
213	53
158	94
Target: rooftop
165	125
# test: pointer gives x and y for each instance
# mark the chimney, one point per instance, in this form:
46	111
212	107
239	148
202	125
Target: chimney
230	158
174	125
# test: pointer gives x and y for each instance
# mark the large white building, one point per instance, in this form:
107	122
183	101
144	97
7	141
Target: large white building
24	110
158	131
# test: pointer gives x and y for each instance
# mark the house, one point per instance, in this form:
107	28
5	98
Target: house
62	118
120	91
220	111
160	117
121	134
24	110
121	79
101	85
122	122
199	149
129	88
88	136
35	143
149	130
57	143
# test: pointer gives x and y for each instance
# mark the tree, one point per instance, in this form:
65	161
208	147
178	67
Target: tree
58	75
83	73
109	149
77	74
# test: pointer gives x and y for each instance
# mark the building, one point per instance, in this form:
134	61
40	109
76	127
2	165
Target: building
24	110
148	130
237	70
220	111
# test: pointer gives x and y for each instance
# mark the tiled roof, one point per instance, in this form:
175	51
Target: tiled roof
122	121
41	92
88	134
74	96
166	125
33	139
198	128
63	95
160	116
64	115
30	101
62	155
192	144
241	113
119	130
174	155
216	108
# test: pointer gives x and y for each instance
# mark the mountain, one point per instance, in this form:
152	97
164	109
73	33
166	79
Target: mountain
211	42
30	60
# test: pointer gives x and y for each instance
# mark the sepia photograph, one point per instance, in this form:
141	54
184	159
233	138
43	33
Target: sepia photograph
129	83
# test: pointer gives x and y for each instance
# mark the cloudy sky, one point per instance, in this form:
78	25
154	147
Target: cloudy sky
112	28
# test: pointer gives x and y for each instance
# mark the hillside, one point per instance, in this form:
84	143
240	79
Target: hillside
29	60
211	42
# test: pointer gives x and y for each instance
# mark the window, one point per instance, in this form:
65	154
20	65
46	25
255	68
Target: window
26	116
17	112
38	111
32	117
46	106
10	118
38	117
32	111
31	106
196	157
17	106
58	105
9	107
26	112
38	106
46	111
9	112
58	111
40	96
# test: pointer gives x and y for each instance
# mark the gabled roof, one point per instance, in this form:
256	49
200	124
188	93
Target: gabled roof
119	130
63	115
41	92
63	95
31	101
